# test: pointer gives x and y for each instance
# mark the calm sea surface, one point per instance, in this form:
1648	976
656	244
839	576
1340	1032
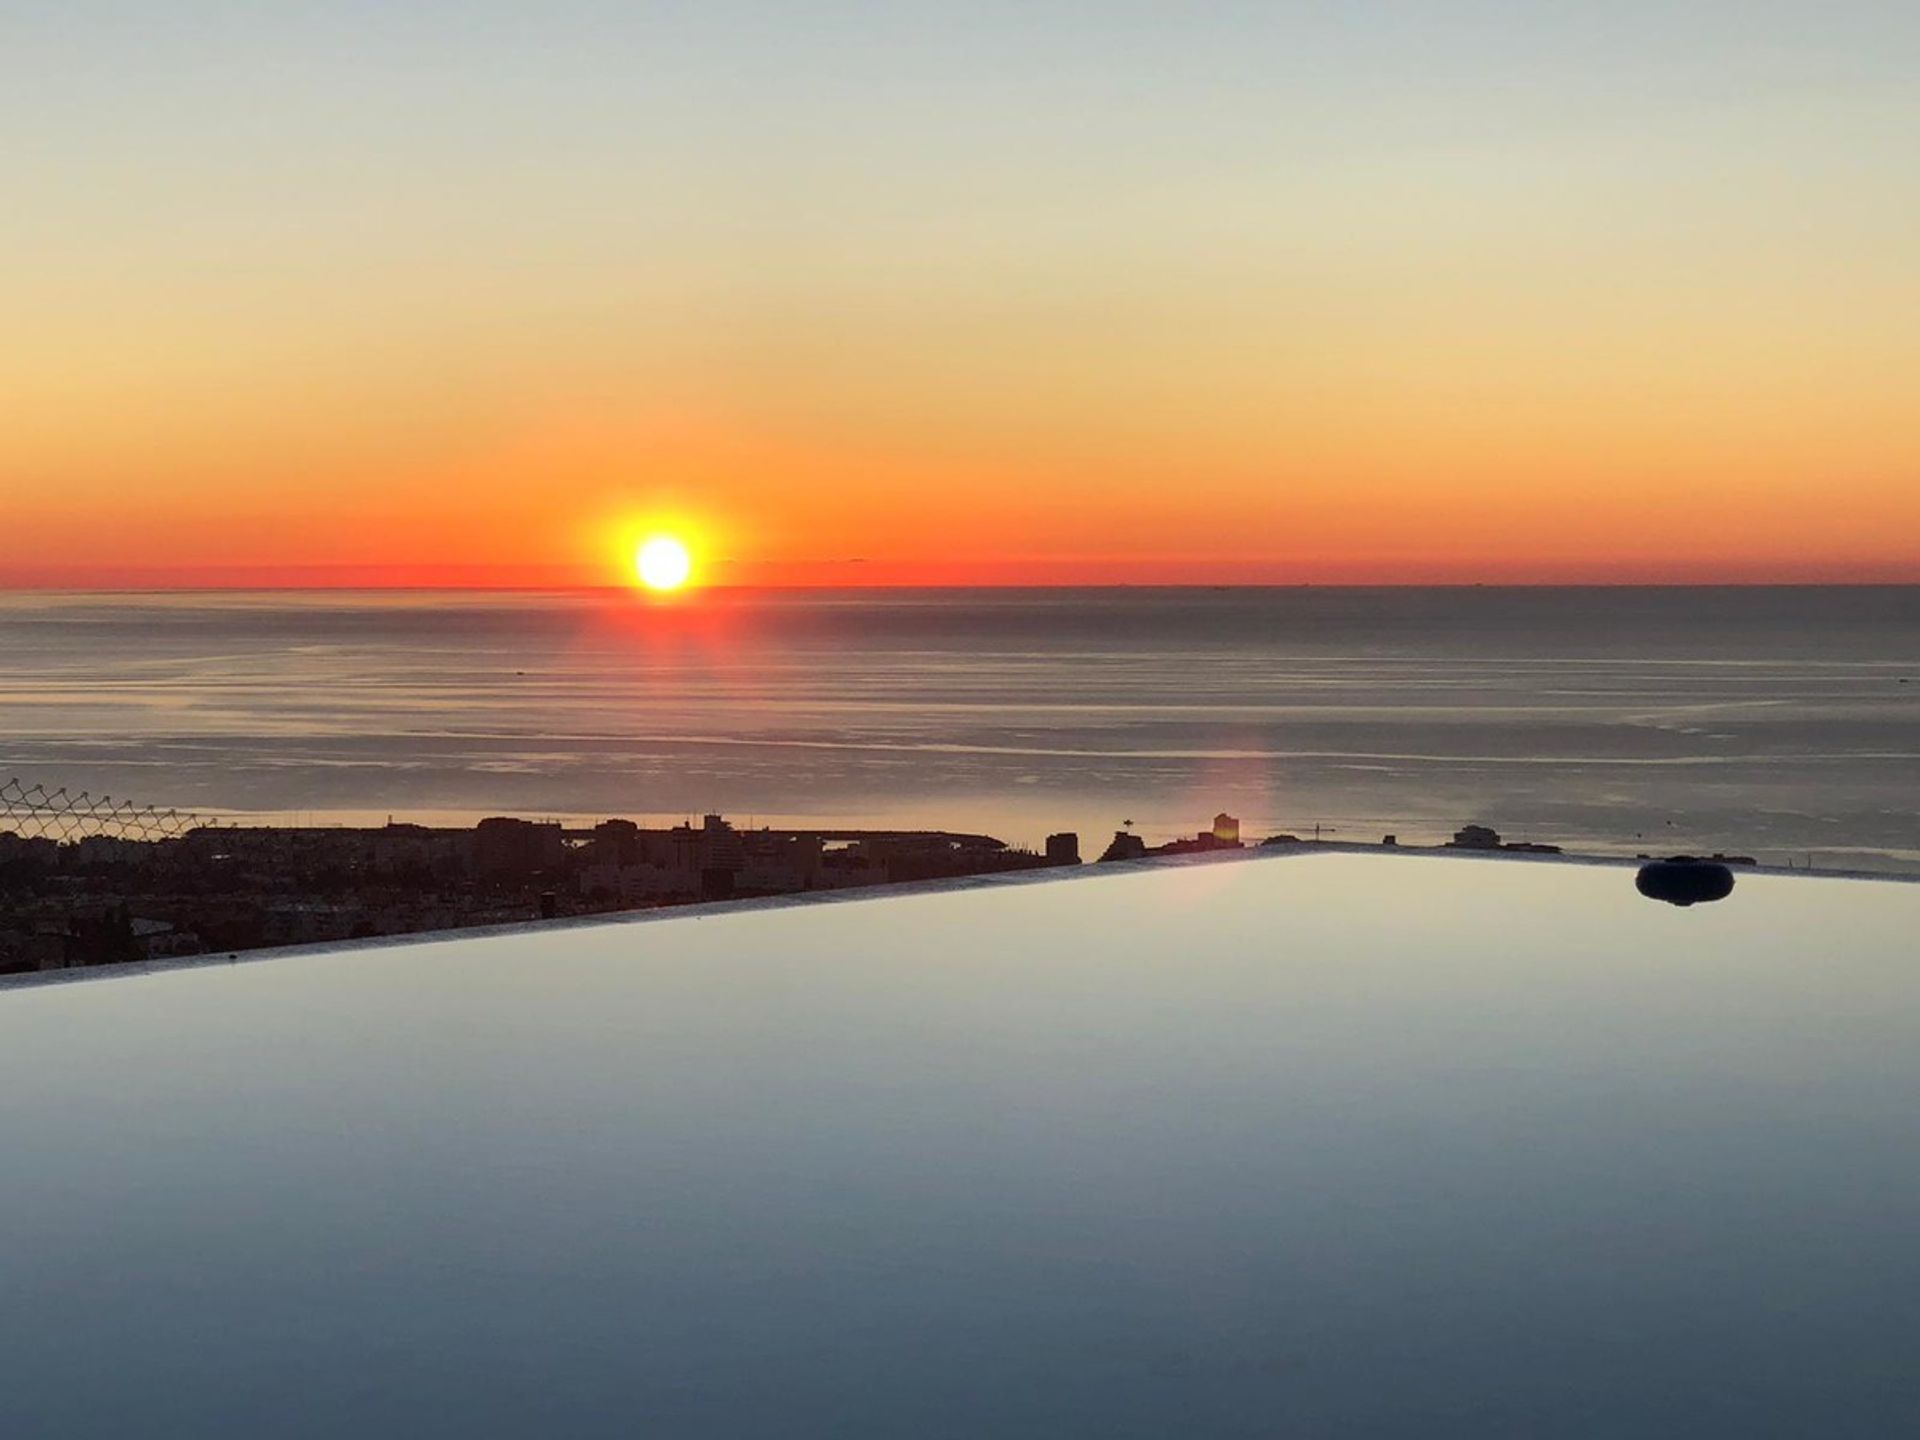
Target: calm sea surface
1781	722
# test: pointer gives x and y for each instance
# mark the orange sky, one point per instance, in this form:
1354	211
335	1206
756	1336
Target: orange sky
1439	297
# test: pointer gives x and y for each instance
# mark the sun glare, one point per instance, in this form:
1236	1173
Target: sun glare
663	563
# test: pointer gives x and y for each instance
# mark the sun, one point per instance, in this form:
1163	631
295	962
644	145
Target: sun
663	563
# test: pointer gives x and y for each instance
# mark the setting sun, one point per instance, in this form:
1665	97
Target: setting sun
663	563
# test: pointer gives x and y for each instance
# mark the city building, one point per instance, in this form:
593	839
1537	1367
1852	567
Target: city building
505	846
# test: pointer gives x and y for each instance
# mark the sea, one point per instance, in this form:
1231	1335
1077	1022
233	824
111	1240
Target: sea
1782	723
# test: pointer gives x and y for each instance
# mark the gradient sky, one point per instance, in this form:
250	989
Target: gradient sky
389	292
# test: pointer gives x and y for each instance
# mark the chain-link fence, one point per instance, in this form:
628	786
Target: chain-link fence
35	812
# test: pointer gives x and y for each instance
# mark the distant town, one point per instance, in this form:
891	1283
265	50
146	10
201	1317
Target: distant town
103	899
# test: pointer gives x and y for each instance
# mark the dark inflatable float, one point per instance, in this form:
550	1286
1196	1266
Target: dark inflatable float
1684	880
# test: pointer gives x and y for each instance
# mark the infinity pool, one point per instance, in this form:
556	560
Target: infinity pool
1331	1145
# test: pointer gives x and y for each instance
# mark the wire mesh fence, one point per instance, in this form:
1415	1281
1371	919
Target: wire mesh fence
66	816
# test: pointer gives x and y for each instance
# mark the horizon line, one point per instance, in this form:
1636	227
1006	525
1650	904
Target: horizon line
737	587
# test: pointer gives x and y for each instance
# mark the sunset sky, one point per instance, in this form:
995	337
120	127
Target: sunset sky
364	292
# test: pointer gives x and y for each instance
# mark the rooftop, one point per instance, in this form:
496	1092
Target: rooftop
1332	1143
